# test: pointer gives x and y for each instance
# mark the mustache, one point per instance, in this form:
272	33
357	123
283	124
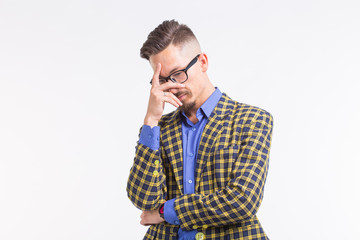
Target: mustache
181	93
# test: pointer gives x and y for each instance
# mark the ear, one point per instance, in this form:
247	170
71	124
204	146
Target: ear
203	59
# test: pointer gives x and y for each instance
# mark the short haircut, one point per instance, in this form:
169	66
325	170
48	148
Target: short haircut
168	32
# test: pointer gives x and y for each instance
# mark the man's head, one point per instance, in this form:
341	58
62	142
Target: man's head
174	45
168	32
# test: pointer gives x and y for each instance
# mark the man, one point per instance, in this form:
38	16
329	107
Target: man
199	172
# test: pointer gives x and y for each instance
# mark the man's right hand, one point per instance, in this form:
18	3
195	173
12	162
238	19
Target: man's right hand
160	94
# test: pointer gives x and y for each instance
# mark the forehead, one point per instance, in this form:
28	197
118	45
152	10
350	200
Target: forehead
170	58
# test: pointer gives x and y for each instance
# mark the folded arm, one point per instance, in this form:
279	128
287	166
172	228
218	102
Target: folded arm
242	196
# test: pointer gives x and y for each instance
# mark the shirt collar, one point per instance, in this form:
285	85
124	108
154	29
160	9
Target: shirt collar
209	105
211	102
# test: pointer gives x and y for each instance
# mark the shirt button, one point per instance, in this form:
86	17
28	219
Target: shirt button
205	226
149	136
194	129
195	226
190	181
155	173
176	222
191	154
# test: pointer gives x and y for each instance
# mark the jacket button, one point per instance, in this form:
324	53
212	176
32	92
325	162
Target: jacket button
155	173
156	162
199	236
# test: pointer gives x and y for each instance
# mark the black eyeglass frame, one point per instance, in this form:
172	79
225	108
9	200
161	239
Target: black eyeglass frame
192	62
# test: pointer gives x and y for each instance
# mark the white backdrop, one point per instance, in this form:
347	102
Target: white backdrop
74	91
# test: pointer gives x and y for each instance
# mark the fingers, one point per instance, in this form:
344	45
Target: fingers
155	79
172	99
142	221
145	218
162	93
167	86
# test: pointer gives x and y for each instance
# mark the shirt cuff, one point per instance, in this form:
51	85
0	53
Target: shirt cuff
169	212
150	137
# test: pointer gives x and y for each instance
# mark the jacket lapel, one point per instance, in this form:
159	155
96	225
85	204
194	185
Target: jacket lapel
210	135
172	143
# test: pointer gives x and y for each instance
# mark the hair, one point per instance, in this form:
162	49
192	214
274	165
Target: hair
168	32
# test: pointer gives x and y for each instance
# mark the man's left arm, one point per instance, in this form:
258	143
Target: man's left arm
240	199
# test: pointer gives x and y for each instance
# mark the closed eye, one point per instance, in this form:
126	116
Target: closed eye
176	74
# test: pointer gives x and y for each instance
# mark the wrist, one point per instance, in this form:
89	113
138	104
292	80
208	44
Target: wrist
150	121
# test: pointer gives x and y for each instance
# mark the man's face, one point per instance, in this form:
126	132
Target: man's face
173	59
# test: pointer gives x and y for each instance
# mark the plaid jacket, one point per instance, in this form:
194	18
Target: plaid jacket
231	170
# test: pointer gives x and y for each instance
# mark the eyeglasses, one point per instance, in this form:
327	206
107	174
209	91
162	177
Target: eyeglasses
179	76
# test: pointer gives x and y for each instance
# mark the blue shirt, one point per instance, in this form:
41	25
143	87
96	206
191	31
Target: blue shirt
191	135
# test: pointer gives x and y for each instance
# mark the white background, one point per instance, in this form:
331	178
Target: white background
74	91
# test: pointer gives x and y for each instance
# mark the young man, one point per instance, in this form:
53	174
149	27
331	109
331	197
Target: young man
199	172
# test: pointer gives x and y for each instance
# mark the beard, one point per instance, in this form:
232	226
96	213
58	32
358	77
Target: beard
186	107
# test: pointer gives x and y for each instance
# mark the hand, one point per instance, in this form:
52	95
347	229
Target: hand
160	94
151	217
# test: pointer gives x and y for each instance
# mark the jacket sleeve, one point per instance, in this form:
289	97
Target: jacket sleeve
146	186
240	199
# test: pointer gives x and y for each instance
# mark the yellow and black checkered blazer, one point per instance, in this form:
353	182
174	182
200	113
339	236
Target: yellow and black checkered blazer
231	170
